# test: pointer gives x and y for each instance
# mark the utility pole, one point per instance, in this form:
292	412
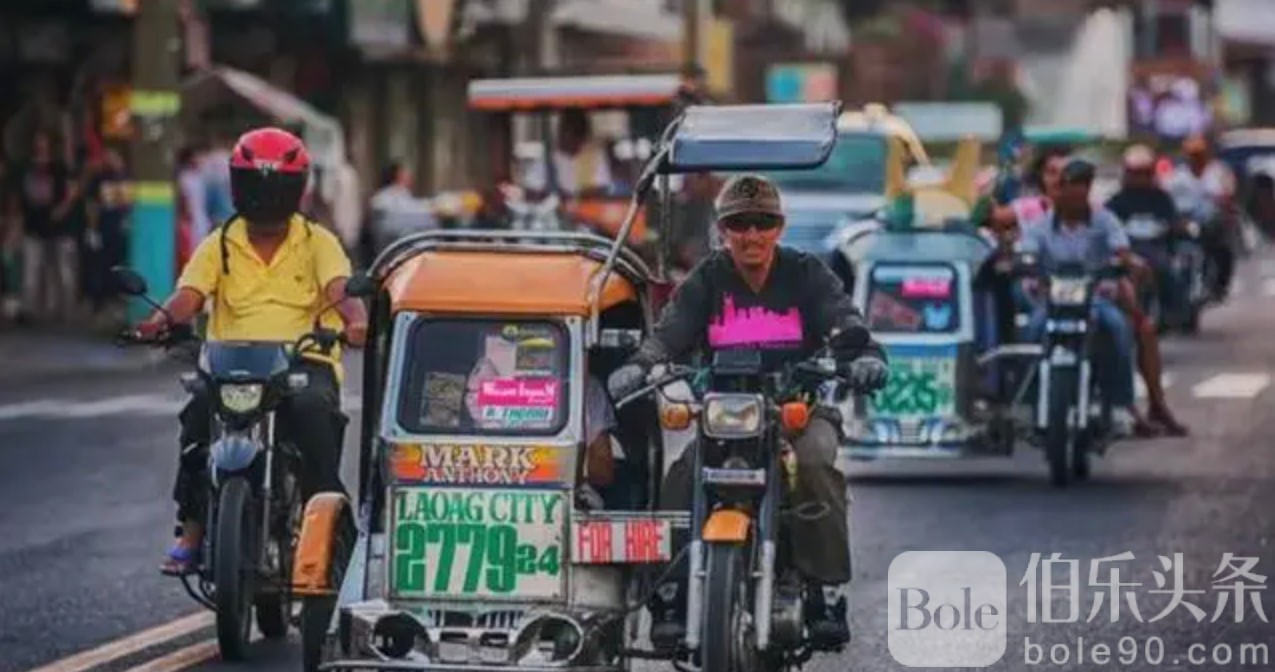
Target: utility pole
154	105
690	33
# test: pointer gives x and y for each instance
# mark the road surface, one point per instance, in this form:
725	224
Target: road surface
86	463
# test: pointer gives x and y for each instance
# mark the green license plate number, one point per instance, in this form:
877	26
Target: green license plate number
471	543
919	387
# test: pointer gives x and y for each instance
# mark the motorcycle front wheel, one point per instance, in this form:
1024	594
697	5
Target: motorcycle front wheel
1060	437
234	567
729	641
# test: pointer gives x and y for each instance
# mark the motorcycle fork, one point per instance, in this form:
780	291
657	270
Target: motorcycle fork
767	532
267	430
695	572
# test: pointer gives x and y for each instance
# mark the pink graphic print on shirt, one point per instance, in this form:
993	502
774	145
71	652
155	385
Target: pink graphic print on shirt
754	326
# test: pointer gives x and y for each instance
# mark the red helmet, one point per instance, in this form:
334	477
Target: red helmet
268	171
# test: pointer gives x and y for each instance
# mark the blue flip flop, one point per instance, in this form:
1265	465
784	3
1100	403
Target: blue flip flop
181	561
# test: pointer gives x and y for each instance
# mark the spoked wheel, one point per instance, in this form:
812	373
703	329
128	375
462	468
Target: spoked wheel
729	641
1060	436
274	609
234	567
316	610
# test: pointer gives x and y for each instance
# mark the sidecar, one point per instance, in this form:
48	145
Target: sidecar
915	287
472	545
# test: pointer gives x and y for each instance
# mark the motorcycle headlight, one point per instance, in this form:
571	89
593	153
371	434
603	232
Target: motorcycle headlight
732	416
1067	292
241	398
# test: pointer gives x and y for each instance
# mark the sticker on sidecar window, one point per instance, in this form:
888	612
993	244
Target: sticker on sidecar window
922	384
459	543
441	463
522	403
443	399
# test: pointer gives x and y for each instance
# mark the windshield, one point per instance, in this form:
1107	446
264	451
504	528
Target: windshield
244	360
856	165
485	377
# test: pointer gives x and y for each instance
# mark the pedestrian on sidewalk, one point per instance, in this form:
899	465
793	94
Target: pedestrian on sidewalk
109	206
46	193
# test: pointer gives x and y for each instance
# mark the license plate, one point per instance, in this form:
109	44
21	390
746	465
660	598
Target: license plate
922	384
604	542
459	543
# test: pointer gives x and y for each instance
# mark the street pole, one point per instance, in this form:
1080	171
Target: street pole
690	33
154	105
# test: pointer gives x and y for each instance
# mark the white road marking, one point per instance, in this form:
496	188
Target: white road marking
1140	388
1232	386
180	659
127	646
1268	287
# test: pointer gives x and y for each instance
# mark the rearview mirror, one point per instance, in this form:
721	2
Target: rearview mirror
360	286
129	281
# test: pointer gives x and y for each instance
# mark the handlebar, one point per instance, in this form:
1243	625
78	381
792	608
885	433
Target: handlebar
323	340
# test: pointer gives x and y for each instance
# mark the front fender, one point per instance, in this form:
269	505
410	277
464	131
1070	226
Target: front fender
312	563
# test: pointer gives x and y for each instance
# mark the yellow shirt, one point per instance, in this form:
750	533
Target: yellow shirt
277	301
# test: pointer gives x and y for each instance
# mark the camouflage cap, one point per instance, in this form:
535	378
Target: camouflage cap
752	194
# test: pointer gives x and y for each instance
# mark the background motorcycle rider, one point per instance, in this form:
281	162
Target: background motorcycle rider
1076	233
757	294
268	271
1203	188
1140	195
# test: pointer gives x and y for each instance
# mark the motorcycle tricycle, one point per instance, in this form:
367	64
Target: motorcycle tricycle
254	502
476	548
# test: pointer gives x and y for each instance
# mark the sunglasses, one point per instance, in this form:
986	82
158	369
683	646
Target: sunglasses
742	223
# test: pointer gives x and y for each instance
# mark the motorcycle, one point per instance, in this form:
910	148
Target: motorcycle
1180	293
745	603
1072	419
254	509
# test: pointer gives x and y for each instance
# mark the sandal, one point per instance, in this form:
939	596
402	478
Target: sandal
181	560
1169	423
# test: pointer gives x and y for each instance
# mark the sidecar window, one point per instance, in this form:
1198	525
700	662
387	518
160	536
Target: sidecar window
913	299
485	377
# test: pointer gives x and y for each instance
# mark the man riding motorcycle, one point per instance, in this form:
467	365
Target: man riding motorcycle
268	272
1203	188
1141	196
1076	233
757	294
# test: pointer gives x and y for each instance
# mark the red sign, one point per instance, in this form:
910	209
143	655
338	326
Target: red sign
627	541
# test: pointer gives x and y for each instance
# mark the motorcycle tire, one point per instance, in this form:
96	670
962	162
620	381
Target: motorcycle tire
726	644
316	610
1060	439
316	615
233	567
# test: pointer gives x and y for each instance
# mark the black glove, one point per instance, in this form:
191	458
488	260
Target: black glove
625	380
868	374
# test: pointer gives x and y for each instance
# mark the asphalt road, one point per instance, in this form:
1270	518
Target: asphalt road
86	464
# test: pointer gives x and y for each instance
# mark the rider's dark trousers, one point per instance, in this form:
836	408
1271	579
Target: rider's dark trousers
819	547
311	417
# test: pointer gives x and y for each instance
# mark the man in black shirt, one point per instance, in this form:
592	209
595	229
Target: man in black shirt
1141	197
756	294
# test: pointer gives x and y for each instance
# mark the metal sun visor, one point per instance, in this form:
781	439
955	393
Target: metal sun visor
753	137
